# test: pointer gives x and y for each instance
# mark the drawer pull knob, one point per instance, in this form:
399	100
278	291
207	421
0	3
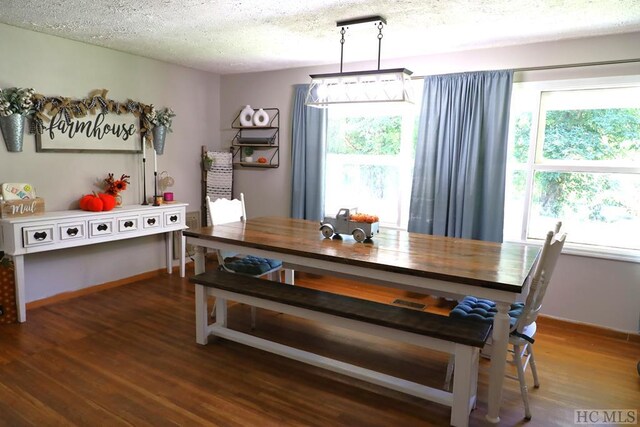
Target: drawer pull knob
151	221
103	227
40	235
72	231
173	218
128	224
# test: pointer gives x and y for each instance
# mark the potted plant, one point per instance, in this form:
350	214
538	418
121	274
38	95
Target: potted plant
15	104
248	152
161	121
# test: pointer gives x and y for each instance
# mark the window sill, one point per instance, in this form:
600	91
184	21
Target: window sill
626	255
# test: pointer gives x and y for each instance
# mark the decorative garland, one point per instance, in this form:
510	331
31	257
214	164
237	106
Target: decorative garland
47	107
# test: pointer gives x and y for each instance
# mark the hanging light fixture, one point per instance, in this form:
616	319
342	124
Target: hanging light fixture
390	85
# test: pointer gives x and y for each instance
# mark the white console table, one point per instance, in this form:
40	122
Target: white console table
68	229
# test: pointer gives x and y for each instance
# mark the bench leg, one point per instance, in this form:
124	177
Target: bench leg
465	382
201	315
201	299
221	312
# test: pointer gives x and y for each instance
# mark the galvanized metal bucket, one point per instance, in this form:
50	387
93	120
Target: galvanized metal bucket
159	133
12	128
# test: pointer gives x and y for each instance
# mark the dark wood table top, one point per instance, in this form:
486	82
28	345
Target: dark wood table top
504	266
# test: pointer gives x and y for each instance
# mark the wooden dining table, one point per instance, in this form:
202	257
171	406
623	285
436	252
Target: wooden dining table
433	265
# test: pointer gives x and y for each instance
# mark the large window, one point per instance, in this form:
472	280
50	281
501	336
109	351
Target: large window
370	155
574	155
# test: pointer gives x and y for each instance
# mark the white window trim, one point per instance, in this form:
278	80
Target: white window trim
594	251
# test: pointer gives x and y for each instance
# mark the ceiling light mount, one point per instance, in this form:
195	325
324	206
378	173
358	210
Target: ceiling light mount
390	85
363	20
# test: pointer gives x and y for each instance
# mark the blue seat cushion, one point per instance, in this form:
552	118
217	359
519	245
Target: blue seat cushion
483	310
251	265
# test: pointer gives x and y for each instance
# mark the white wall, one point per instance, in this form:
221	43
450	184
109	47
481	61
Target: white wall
596	291
55	66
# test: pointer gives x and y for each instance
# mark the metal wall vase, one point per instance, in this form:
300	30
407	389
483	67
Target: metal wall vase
159	133
12	128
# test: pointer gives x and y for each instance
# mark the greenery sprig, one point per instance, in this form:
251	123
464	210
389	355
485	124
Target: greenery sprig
16	100
162	117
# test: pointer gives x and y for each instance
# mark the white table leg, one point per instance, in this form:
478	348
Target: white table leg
18	274
182	248
168	239
289	276
202	311
498	360
198	260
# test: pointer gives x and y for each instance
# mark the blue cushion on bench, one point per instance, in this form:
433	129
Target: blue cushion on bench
251	265
483	310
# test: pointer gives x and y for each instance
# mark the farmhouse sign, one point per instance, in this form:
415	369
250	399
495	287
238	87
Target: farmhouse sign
103	131
95	123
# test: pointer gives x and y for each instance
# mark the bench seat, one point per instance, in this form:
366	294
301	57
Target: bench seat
460	337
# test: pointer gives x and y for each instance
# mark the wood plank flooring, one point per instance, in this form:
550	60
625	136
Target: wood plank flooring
127	356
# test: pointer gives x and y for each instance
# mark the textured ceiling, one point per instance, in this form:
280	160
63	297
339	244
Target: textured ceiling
250	35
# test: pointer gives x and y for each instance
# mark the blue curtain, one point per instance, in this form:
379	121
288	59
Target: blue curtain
308	132
461	152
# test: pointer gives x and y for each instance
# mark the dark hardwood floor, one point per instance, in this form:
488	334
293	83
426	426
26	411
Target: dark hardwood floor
127	356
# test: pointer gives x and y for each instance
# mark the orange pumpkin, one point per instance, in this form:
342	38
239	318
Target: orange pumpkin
262	160
91	202
108	201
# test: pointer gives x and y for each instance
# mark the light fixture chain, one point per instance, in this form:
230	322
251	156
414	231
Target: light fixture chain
380	25
342	32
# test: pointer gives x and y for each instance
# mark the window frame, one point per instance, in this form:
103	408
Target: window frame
535	162
409	122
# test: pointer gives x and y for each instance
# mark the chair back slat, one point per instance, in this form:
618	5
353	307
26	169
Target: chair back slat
545	266
223	211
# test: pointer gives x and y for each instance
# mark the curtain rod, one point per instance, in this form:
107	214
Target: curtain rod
578	65
558	67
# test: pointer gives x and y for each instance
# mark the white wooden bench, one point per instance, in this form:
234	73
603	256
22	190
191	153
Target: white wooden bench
461	338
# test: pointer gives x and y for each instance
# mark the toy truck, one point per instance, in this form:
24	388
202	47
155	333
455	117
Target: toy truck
342	224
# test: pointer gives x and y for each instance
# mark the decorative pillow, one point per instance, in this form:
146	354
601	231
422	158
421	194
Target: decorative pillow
483	310
251	265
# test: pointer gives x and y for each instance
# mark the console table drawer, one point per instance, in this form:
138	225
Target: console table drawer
173	218
151	221
101	227
74	230
128	224
37	235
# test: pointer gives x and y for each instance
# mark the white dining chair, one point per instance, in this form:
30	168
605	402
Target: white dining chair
223	211
522	315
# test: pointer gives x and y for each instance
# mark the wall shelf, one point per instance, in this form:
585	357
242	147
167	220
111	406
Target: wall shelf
264	140
255	165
